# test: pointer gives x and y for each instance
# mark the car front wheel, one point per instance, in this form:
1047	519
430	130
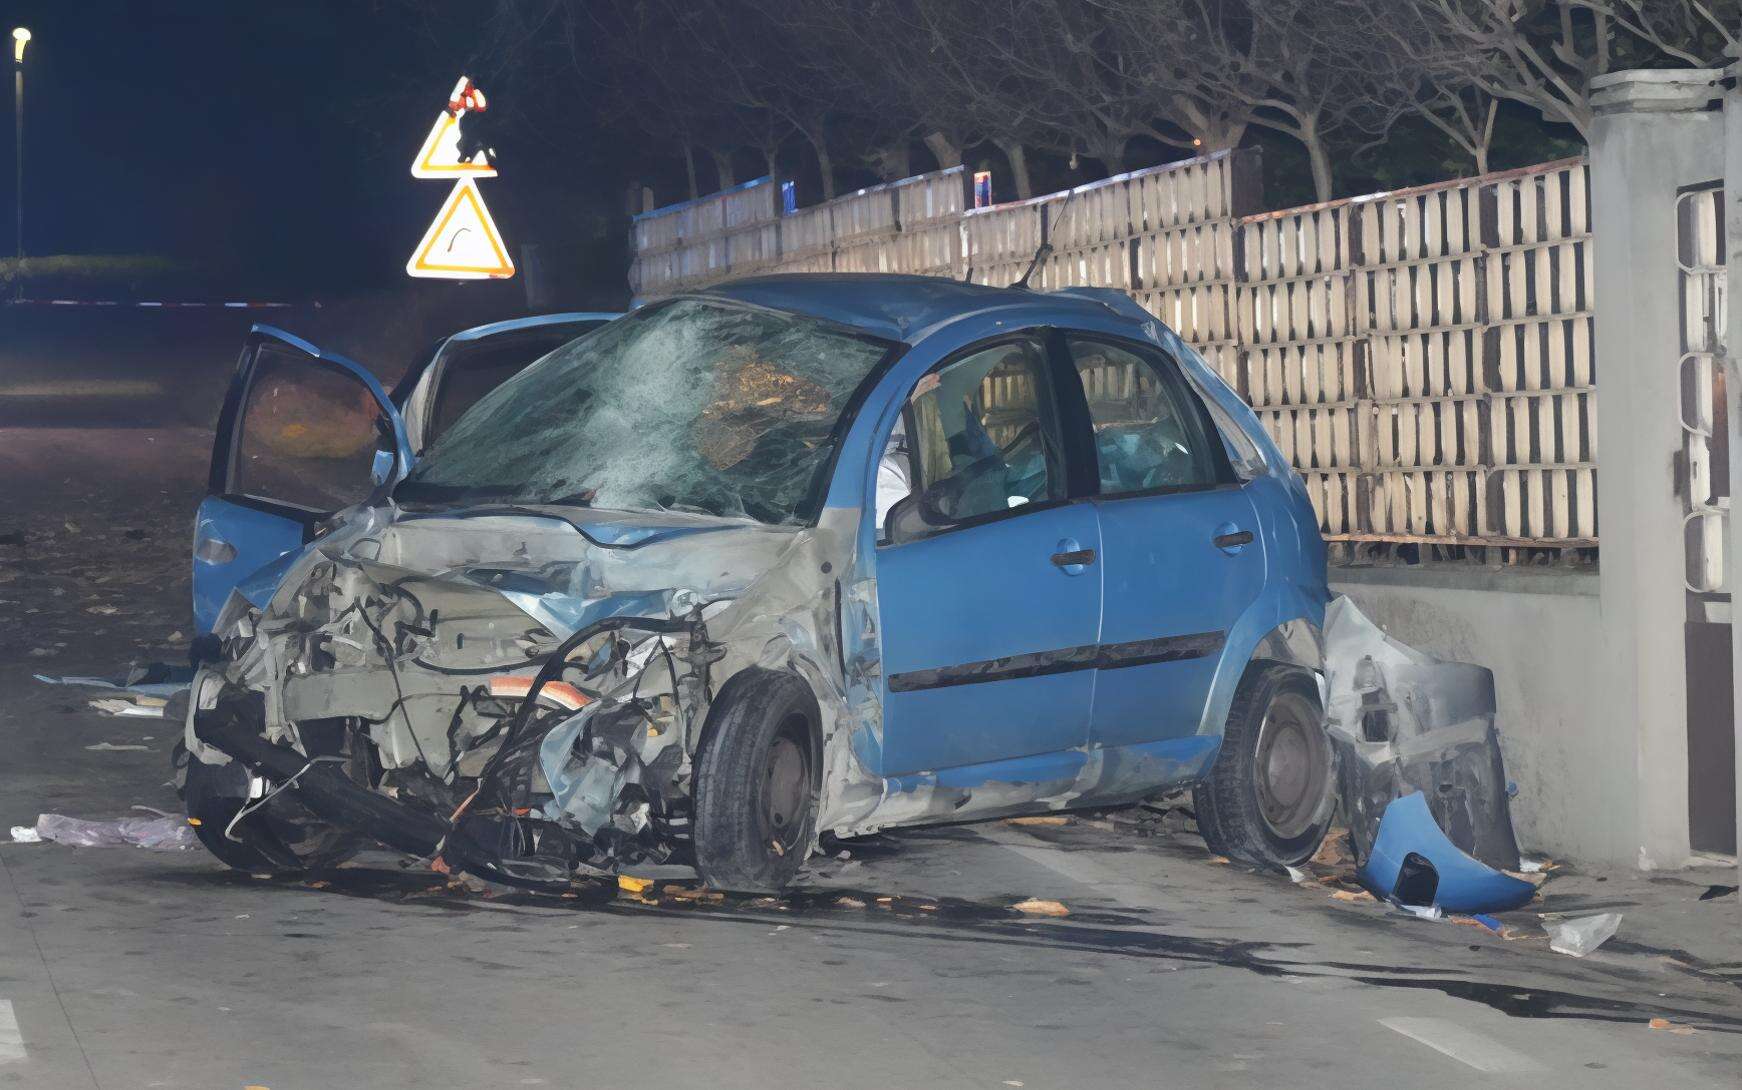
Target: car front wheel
1271	795
757	778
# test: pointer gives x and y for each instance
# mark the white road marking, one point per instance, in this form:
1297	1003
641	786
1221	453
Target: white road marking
1463	1045
11	1041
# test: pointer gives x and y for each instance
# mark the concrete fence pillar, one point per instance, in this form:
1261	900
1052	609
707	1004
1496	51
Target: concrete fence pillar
1654	135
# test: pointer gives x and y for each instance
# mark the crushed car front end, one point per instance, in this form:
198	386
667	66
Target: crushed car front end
507	665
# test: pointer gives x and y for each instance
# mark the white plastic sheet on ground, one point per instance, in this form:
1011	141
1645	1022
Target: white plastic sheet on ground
159	832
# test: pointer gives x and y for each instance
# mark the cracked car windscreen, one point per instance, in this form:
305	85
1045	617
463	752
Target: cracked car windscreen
692	406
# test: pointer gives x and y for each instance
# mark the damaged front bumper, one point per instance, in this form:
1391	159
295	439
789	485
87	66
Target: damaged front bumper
522	719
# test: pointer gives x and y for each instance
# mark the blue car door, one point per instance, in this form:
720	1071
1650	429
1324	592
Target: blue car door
988	581
303	433
1181	549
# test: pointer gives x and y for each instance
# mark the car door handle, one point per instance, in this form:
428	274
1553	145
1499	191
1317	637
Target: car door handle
1232	540
1074	558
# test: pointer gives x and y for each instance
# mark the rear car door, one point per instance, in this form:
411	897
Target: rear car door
303	433
989	593
1182	553
472	362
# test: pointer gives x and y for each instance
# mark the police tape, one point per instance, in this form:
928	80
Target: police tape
157	305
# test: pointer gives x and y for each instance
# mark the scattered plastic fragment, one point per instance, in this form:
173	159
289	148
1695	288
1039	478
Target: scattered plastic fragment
1679	1031
636	886
24	834
1582	935
1426	912
1034	906
849	902
1486	923
152	679
1714	892
157	833
111	747
1039	819
140	708
1297	876
1536	866
1352	895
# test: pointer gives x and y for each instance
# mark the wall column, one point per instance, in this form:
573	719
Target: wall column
1654	134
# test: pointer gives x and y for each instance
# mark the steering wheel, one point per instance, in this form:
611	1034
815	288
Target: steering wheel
940	501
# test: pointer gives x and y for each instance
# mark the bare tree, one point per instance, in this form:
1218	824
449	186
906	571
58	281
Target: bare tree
1544	53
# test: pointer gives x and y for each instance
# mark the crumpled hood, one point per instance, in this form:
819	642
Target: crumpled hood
571	567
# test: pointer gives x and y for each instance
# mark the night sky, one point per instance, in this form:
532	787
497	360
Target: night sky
268	141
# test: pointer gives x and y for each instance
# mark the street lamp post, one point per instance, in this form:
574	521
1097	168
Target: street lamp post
20	37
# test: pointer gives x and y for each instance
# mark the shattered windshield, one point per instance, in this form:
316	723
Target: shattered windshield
694	406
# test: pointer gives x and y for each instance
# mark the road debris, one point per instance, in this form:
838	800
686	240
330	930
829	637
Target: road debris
157	679
1580	935
160	833
1420	771
1714	892
144	707
1039	819
25	834
1679	1031
125	747
1034	906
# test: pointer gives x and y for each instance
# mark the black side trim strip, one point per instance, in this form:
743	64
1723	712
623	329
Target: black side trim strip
1111	656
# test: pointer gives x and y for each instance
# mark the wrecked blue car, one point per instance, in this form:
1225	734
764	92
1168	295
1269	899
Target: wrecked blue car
791	556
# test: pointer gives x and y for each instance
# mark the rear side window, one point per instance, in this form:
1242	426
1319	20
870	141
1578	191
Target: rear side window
470	372
1150	431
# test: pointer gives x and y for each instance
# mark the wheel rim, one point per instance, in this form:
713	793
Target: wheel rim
1292	766
786	785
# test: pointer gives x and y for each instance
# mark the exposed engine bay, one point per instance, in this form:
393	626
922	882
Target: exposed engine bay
522	718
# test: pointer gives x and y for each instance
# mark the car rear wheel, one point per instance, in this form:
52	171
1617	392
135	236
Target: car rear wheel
757	778
1271	795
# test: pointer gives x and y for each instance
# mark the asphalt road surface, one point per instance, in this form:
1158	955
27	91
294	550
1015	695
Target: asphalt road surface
903	965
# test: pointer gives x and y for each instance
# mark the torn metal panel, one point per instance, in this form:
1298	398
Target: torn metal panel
1422	780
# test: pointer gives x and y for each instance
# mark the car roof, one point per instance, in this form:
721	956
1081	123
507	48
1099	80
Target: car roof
889	305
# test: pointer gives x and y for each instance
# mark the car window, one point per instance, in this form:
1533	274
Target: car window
981	436
470	371
308	433
1149	434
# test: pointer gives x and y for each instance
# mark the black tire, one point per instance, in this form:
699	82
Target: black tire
1270	809
279	838
756	783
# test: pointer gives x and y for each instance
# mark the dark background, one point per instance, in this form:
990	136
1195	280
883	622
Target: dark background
264	148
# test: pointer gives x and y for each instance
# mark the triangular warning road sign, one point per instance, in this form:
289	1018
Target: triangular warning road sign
462	243
440	155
